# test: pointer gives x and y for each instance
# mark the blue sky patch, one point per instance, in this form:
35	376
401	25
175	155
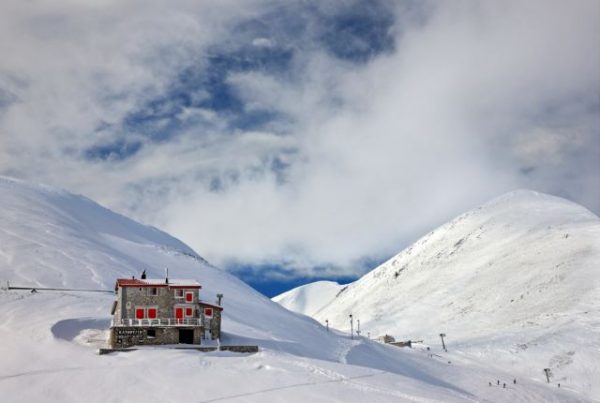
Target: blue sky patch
116	151
359	33
269	44
206	87
7	98
272	280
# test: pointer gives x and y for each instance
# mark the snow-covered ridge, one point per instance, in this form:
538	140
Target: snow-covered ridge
518	277
37	221
309	298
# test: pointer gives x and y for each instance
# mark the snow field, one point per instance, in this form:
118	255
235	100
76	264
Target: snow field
514	283
48	340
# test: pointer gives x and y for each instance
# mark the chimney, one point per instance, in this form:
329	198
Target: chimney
166	275
219	298
143	277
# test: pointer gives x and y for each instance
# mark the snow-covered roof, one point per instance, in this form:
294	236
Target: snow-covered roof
157	282
208	304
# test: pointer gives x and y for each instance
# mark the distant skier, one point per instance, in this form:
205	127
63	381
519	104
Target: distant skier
504	385
498	382
515	381
490	383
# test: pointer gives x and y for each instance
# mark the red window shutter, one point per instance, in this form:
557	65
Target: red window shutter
189	297
208	312
179	313
188	311
152	313
139	313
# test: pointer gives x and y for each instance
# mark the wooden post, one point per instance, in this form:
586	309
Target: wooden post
442	335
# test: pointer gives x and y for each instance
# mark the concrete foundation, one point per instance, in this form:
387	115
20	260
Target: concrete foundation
122	337
235	349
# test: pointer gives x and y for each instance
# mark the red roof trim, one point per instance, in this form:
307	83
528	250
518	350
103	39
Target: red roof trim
220	308
130	282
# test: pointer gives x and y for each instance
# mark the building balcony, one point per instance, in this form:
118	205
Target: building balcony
159	322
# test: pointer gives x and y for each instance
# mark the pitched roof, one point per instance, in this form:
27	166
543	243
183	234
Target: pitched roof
153	282
204	303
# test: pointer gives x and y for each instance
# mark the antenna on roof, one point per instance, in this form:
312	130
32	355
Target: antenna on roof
166	275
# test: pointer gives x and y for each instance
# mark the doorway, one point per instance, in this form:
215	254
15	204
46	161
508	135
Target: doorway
186	336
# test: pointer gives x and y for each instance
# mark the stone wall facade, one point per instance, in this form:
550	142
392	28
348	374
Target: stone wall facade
214	323
127	330
164	300
122	337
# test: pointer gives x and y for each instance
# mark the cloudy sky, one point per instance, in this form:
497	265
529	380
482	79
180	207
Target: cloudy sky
290	139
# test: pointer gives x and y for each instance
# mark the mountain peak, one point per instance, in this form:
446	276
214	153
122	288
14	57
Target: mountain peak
509	270
525	199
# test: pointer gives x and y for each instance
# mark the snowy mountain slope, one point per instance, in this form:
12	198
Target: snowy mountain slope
55	239
48	340
515	281
40	225
309	298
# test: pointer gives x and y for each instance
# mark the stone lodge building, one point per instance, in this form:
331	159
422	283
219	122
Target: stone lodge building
162	311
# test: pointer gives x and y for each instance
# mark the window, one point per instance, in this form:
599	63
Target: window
139	313
208	312
189	296
178	293
189	312
153	291
152	313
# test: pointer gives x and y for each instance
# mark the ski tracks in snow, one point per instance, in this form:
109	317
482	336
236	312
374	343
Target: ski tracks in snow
331	377
344	348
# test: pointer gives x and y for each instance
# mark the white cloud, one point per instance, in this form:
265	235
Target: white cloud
476	99
263	42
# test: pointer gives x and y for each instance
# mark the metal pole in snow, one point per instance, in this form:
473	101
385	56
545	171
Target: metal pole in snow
351	327
358	328
442	335
547	372
327	324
